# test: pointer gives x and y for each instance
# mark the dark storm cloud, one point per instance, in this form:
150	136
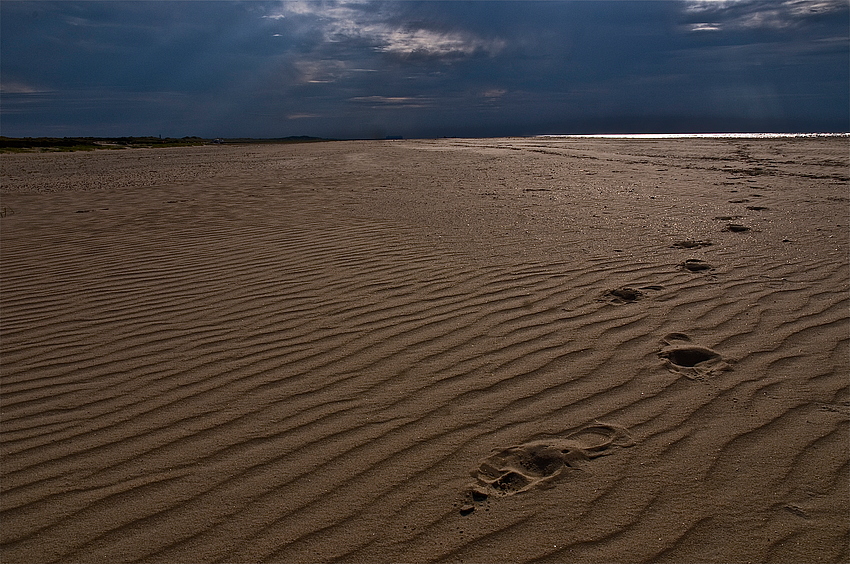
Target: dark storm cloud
365	68
387	29
715	15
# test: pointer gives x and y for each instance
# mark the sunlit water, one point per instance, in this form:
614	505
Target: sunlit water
697	135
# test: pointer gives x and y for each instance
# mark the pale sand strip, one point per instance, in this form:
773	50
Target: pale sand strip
318	352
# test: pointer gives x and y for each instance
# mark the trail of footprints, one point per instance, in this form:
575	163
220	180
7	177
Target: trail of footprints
542	462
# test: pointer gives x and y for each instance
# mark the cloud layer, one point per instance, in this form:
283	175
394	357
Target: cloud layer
716	15
370	68
382	27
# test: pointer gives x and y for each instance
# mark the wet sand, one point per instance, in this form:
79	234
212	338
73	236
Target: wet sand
459	350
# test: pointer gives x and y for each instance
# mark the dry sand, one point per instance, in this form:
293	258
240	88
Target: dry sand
502	350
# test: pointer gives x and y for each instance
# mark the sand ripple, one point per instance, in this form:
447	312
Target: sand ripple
306	356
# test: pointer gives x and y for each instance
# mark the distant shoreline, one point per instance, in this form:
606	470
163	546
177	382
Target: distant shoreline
64	144
61	144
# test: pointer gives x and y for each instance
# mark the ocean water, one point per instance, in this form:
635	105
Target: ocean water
696	135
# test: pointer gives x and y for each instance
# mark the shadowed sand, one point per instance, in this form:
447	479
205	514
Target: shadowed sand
512	350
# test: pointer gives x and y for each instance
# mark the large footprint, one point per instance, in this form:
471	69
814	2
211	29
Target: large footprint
537	463
692	361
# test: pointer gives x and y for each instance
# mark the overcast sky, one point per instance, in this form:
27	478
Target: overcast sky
354	69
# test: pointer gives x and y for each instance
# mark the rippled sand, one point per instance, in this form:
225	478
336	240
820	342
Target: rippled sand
514	350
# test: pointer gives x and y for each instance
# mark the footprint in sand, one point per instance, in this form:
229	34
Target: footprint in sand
622	295
691	244
695	265
540	463
626	294
682	356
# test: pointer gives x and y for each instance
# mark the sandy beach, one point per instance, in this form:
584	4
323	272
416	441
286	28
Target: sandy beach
455	350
